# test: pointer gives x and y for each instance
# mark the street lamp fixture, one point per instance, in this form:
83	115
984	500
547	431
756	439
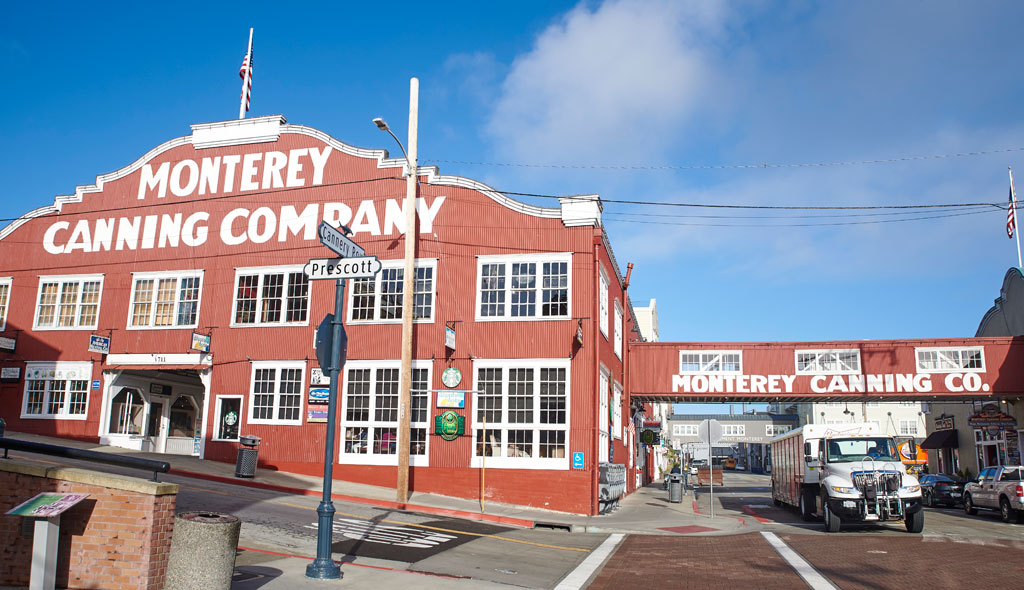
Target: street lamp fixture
383	126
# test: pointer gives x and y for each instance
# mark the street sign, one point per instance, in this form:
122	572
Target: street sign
577	460
336	240
712	428
342	268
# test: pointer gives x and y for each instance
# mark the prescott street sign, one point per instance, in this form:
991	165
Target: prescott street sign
342	268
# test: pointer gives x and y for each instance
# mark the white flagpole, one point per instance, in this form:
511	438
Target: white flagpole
1016	226
245	81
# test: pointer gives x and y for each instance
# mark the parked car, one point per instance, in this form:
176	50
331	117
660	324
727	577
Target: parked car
941	489
697	463
997	488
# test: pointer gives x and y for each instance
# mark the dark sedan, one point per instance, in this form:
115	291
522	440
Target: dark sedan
941	489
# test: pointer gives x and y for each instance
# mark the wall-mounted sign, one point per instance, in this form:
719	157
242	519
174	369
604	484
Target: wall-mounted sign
200	342
10	374
449	425
579	335
451	398
319	395
992	418
577	460
650	437
944	423
95	383
100	344
449	337
316	416
160	388
451	377
8	344
318	377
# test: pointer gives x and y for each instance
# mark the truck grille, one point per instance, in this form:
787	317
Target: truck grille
877	482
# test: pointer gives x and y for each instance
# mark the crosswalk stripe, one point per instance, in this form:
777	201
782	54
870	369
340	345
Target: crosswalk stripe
814	579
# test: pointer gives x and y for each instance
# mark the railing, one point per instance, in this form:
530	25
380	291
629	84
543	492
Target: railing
84	455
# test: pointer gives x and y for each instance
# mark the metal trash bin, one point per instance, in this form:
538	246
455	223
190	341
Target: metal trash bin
675	487
248	451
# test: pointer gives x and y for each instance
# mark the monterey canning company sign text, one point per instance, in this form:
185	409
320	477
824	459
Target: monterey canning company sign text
225	175
886	383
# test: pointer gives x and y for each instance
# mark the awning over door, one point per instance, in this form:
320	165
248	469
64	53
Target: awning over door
941	439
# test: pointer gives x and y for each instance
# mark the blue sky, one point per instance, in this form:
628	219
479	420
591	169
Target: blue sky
625	99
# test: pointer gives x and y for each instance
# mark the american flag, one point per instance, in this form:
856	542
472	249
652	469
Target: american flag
1009	215
247	88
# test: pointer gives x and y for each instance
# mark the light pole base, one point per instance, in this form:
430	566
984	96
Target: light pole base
323	570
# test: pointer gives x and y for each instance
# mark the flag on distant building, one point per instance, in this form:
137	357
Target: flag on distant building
1009	215
247	83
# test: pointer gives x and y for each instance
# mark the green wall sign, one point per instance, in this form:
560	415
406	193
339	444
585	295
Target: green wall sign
449	425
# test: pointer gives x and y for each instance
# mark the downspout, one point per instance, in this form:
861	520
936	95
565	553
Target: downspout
626	442
596	372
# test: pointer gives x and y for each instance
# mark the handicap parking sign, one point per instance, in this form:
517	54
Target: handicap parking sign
577	460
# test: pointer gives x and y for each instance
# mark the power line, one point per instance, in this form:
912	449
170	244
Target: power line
763	165
618	214
875	222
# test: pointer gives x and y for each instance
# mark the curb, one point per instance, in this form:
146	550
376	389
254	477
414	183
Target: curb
509	520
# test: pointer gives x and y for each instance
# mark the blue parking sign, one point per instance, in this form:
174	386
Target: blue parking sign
577	460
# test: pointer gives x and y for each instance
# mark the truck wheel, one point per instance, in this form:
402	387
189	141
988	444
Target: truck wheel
807	505
915	522
969	505
832	521
1007	513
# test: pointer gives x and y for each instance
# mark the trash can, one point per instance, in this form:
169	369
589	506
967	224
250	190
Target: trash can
203	549
248	451
675	487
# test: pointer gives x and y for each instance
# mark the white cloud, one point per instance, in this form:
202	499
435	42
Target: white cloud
607	84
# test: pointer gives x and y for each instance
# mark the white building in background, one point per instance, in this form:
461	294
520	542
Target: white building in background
647	322
897	419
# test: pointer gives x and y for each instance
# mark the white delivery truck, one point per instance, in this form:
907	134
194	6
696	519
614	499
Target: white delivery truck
844	472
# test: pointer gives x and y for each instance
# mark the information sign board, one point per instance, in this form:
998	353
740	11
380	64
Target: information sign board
100	344
338	242
46	504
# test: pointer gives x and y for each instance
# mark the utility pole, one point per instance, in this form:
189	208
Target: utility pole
405	380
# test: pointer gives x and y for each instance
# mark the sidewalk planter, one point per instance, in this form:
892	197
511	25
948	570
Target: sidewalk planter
203	551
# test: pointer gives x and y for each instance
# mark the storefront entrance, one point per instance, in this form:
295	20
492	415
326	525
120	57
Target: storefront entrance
154	411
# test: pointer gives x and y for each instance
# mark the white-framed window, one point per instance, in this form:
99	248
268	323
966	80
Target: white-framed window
908	427
604	410
775	429
165	300
617	411
602	307
57	390
526	406
523	287
379	299
828	362
270	296
684	430
275	392
5	299
950	359
618	329
228	419
369	412
694	362
68	302
733	429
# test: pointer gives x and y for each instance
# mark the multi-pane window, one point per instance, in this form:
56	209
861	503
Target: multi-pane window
603	414
68	302
271	297
276	392
523	287
57	390
775	429
943	360
617	410
827	362
5	297
710	361
618	329
165	300
733	429
370	411
684	430
522	413
379	298
908	427
602	299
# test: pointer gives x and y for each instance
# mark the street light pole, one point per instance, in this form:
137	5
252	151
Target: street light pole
405	379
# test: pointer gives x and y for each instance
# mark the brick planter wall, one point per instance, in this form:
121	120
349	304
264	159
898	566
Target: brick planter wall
117	538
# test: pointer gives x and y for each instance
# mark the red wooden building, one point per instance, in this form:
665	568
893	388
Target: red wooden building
109	298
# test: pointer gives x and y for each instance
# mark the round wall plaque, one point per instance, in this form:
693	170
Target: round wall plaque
451	377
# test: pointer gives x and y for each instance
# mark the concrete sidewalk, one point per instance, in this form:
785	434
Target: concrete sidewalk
645	511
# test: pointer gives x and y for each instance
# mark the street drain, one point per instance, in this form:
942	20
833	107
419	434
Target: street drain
509	572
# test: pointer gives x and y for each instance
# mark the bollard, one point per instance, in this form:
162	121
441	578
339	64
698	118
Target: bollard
203	548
